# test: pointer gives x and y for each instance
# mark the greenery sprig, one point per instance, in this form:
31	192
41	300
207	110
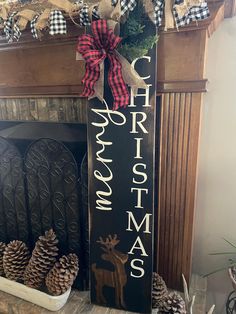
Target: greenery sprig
136	39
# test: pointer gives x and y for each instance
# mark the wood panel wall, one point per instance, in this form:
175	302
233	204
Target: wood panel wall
179	134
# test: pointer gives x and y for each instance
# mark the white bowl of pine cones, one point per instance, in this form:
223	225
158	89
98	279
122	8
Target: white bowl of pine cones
22	274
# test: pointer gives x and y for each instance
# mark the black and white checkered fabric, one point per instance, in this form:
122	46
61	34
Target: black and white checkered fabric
34	31
11	29
114	2
57	23
158	11
195	13
127	6
83	16
95	13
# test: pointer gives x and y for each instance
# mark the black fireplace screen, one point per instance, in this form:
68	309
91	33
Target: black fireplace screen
43	184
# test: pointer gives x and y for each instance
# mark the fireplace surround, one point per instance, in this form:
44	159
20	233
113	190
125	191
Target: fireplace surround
50	82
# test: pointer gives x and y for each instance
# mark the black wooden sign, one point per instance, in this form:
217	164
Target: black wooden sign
121	196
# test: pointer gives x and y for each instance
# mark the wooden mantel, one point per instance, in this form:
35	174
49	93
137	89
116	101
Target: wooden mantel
181	84
41	68
49	68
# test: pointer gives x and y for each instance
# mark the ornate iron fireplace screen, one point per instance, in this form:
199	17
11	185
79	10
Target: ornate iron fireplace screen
41	190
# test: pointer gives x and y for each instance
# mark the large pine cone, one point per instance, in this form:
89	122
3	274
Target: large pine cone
159	290
42	260
2	249
62	275
15	259
173	304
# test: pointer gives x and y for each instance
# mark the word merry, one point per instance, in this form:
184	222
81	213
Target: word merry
106	116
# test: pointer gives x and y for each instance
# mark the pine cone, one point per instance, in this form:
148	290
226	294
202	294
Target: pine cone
62	275
15	259
2	249
173	304
159	290
42	260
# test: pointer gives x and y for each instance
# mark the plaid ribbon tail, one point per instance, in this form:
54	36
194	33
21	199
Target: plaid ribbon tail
118	87
89	80
94	50
93	57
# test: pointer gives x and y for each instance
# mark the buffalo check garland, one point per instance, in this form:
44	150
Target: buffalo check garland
11	29
194	13
33	29
57	23
196	10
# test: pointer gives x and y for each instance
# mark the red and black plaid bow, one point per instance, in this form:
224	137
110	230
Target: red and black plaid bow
94	49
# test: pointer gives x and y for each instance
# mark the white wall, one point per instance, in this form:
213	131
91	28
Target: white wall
216	188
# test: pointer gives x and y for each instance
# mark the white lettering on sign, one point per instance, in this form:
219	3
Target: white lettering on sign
138	148
145	220
140	173
137	120
138	245
142	226
137	268
145	95
105	175
139	196
146	91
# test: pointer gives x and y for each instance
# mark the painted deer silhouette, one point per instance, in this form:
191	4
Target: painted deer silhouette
115	279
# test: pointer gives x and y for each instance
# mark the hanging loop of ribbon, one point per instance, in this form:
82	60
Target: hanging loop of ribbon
95	49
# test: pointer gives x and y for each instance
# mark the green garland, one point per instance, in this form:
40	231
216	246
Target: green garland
136	43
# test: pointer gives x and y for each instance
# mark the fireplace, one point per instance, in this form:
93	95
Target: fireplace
43	178
48	68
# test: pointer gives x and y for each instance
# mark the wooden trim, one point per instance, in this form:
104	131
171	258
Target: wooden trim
181	58
43	71
179	134
41	91
230	8
27	43
198	86
217	16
